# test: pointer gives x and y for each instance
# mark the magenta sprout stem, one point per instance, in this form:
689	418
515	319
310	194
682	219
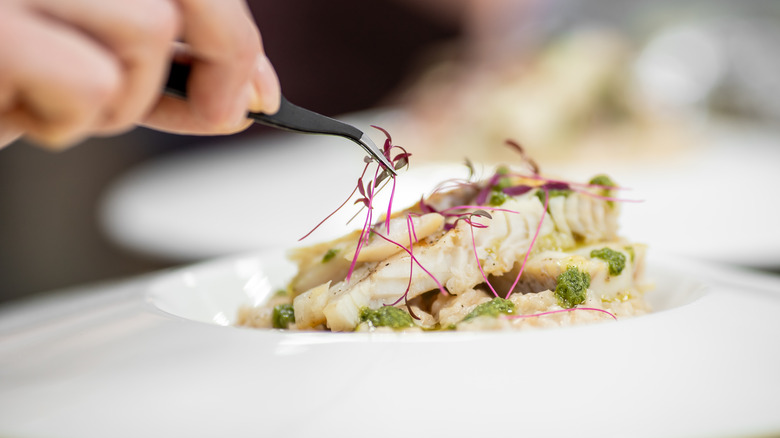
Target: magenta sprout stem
479	265
533	241
533	315
438	284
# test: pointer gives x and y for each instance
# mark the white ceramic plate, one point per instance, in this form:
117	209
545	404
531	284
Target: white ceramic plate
153	359
261	193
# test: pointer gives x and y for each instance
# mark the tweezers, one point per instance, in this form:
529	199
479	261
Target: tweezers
290	117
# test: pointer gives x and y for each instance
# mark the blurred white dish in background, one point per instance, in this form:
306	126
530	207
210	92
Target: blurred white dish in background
710	202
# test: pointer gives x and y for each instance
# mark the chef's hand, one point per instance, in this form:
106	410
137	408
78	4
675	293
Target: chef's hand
77	68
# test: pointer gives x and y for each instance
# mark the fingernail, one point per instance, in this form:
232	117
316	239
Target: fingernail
266	92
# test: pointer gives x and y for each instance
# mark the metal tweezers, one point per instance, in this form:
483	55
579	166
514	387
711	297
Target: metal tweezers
290	118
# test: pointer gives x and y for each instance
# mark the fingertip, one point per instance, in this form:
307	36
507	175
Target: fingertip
266	91
56	141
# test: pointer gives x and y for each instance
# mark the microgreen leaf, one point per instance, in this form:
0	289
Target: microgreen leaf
470	167
482	213
515	145
360	186
552	312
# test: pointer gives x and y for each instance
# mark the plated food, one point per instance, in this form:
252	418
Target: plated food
573	98
515	249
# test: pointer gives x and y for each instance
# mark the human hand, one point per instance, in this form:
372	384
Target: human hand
71	69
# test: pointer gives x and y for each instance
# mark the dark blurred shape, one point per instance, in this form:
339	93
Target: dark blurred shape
340	56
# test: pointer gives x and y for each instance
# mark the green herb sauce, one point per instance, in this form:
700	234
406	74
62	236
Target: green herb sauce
497	195
496	198
283	316
615	259
493	308
551	193
604	180
386	316
572	287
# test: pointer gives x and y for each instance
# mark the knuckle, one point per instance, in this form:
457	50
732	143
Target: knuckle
103	86
247	42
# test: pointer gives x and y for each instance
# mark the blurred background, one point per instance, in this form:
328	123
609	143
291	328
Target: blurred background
678	97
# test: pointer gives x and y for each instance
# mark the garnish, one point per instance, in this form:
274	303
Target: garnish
572	287
329	255
386	316
415	260
368	192
533	241
496	198
603	181
526	159
487	197
493	308
551	190
606	184
467	218
552	312
283	316
615	259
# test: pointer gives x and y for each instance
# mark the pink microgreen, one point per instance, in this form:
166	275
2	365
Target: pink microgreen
330	215
556	185
405	296
365	232
607	198
517	190
480	207
360	186
368	192
388	139
451	184
485	192
551	312
416	261
390	208
533	241
515	145
410	224
470	167
476	257
425	207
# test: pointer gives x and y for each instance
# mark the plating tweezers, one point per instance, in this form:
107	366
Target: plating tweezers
290	117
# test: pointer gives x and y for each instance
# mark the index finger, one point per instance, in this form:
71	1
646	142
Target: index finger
224	44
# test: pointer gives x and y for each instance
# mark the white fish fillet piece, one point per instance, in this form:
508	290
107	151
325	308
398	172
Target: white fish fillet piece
449	256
